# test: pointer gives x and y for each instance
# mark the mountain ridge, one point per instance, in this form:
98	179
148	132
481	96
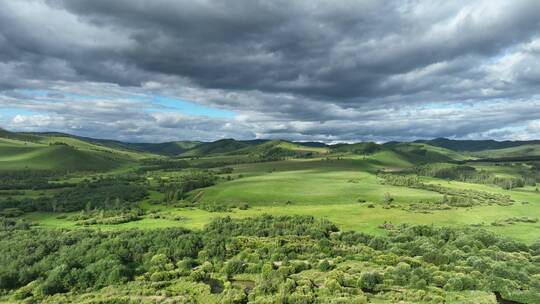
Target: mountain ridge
189	148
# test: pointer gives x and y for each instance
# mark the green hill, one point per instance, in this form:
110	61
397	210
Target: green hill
54	151
513	152
314	144
168	148
279	148
220	147
357	148
18	136
414	153
68	152
256	148
104	145
419	153
56	157
475	145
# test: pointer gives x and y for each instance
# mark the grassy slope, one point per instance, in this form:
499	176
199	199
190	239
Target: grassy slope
249	147
132	150
423	153
475	145
264	148
169	148
56	158
43	153
520	151
91	147
222	146
18	136
311	181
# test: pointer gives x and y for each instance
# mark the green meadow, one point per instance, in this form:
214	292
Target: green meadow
338	190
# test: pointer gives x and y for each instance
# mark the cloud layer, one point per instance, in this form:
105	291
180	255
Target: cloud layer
303	70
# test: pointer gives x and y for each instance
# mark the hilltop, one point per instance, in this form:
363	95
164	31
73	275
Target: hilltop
60	152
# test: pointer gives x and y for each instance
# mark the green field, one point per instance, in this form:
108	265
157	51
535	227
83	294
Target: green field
332	189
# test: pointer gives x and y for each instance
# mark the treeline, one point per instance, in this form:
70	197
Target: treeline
278	153
106	193
107	217
359	148
167	164
444	171
267	259
31	179
469	174
451	196
186	183
532	158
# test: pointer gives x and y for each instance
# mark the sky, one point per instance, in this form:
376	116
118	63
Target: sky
330	71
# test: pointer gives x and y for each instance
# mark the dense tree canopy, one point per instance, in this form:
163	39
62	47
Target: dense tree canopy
296	259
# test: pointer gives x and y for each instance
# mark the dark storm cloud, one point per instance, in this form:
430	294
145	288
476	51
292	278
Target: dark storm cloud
344	49
328	70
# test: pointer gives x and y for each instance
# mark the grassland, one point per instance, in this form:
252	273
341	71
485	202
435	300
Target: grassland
339	188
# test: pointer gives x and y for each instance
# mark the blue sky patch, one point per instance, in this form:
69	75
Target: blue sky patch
12	112
33	93
155	103
162	103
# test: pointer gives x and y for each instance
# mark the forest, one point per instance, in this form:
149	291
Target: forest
294	259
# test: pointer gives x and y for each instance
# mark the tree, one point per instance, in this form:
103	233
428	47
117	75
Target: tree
159	262
199	275
369	280
232	267
387	199
325	266
445	199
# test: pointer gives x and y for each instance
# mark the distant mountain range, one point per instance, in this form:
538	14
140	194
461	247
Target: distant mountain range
453	149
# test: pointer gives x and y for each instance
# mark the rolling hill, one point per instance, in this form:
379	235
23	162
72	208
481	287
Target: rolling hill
357	148
18	136
219	147
414	153
256	148
281	148
475	145
528	150
134	149
424	153
56	157
68	152
168	148
59	152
